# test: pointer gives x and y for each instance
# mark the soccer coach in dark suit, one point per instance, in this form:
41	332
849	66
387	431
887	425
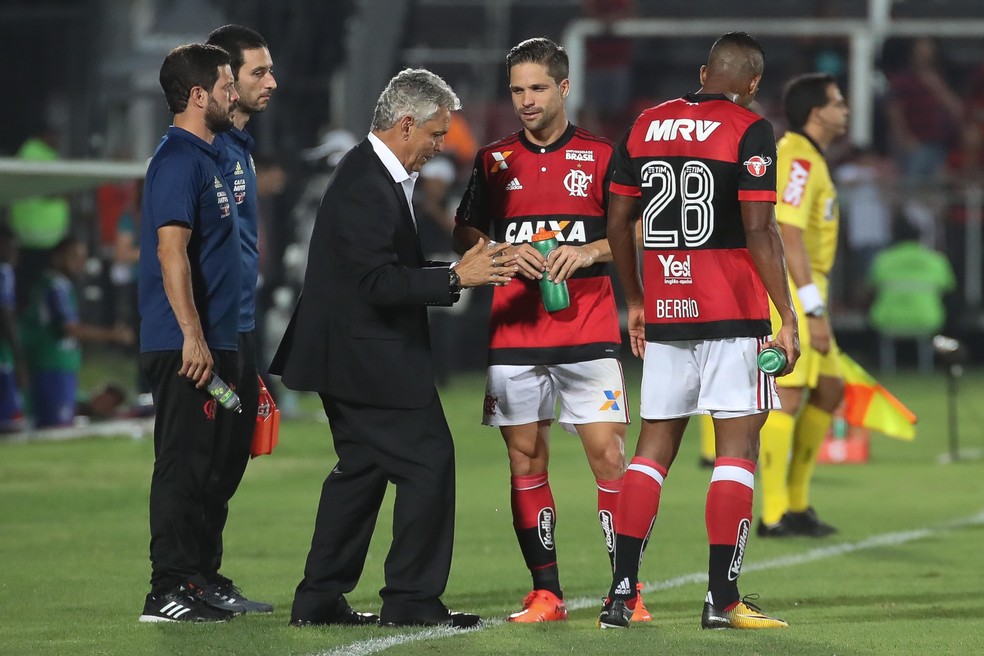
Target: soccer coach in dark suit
359	337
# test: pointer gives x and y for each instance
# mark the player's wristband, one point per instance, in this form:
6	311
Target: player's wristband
809	296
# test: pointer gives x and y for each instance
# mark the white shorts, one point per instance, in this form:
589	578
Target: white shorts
713	376
589	392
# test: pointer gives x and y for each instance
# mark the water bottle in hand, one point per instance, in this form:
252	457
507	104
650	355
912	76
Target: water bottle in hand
771	360
555	295
222	393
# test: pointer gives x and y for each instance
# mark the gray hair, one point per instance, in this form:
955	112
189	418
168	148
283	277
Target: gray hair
414	92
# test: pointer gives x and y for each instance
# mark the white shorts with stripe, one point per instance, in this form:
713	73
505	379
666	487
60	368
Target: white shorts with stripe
710	376
588	392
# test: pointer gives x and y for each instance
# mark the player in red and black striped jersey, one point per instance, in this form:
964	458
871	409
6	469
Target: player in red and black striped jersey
519	187
550	175
700	171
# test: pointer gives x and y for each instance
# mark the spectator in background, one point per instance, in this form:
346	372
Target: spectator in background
114	200
608	72
123	268
13	367
924	115
923	112
909	281
460	143
39	222
51	332
966	160
434	225
271	180
861	181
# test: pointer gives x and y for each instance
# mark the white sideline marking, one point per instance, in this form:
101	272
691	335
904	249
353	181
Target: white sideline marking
376	645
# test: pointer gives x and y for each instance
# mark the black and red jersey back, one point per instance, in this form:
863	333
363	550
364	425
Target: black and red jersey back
518	187
692	161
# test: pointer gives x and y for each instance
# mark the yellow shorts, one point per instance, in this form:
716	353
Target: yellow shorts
811	364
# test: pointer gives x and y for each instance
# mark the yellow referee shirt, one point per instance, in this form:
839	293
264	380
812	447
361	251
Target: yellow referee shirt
807	198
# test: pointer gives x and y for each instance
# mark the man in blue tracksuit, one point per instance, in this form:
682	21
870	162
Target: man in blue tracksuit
252	68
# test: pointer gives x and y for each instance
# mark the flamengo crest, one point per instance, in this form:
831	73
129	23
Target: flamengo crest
576	182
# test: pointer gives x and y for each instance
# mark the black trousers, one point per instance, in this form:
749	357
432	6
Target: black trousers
228	469
413	449
189	429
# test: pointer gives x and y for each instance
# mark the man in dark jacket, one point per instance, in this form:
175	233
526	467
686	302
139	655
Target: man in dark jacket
360	338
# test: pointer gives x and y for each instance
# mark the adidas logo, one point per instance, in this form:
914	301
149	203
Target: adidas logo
174	610
239	168
623	587
514	185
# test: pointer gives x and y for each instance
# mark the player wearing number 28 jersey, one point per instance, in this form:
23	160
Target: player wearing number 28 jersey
692	161
700	172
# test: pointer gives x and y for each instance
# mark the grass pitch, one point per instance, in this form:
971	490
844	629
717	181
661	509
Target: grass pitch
903	576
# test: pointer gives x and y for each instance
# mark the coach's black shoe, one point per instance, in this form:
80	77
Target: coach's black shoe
226	596
807	523
615	614
182	604
781	529
446	617
342	614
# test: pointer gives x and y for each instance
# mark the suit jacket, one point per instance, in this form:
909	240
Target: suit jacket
359	332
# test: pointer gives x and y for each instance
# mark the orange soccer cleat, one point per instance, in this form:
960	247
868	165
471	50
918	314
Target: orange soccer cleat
640	614
541	606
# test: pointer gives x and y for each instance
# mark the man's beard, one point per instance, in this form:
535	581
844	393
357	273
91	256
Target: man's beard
215	119
247	107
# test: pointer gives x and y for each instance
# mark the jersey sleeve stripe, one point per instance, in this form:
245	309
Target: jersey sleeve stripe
626	190
757	195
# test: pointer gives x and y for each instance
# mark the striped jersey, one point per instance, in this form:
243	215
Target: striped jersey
807	198
518	187
692	161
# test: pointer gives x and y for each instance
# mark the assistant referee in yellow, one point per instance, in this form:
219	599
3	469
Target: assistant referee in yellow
808	217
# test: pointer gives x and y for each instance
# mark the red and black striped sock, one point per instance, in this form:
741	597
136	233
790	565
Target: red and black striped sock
534	519
638	505
728	515
607	508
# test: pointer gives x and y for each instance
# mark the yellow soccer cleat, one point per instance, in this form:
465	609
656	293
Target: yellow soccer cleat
639	613
743	615
540	606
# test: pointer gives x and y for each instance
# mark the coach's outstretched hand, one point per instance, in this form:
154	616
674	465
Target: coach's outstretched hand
486	266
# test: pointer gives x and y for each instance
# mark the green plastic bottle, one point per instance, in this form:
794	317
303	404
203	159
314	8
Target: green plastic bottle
555	295
771	360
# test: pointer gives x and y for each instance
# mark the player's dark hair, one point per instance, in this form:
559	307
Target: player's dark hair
802	94
234	39
189	66
742	40
540	50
